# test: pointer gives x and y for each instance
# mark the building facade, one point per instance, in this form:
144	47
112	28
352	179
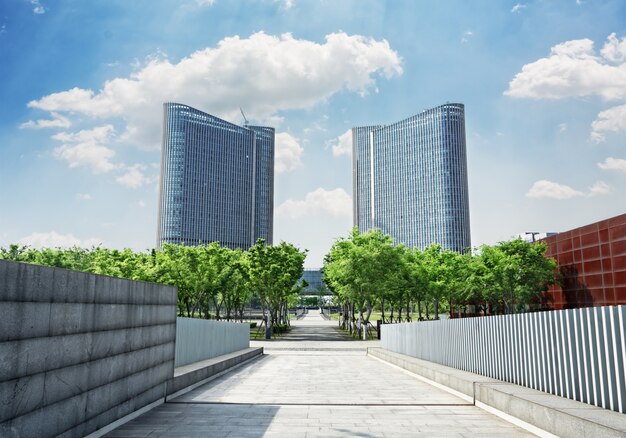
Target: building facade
410	179
592	264
217	180
315	282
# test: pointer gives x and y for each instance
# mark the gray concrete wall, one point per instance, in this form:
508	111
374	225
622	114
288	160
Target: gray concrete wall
79	351
200	339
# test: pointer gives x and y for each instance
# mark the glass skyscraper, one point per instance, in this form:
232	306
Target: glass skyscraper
410	179
217	180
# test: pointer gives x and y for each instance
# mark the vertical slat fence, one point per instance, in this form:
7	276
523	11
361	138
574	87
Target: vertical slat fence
577	353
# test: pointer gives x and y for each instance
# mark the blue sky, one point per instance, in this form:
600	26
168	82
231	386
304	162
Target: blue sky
82	83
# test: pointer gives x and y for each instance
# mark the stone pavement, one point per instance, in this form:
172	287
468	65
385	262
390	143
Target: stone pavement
307	386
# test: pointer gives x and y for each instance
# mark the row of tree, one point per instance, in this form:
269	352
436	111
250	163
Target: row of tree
367	271
213	281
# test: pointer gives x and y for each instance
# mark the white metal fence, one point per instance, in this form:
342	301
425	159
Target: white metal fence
200	339
579	354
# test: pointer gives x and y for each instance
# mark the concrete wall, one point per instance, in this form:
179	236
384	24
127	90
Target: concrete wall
579	354
78	351
200	339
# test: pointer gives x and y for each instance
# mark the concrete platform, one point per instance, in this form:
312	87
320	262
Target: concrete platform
189	376
551	413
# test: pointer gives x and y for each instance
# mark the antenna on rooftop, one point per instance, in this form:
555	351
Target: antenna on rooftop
245	121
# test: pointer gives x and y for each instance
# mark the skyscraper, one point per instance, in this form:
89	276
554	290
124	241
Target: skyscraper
410	179
217	180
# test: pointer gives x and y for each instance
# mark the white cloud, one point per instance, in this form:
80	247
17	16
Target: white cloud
599	188
288	73
205	2
287	153
330	202
53	239
38	7
614	50
562	127
518	7
544	189
133	177
57	121
287	4
547	189
85	148
466	36
84	196
613	164
573	70
343	145
611	120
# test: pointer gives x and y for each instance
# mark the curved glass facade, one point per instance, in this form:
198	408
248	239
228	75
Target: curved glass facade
217	180
410	179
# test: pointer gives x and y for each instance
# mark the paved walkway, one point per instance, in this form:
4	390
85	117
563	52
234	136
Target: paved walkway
317	382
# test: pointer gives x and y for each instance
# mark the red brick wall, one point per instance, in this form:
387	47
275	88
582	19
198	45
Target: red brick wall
592	261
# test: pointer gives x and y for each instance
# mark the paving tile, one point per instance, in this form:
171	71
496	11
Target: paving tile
317	383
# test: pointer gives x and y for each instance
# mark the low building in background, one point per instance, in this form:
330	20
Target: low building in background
592	263
316	285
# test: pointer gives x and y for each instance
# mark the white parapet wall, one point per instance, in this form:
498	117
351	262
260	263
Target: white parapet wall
579	354
200	339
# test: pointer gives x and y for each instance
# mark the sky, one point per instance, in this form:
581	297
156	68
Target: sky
82	86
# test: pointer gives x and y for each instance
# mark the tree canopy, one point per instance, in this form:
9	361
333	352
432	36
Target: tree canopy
366	270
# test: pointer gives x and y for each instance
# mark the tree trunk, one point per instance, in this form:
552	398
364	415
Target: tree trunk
436	308
382	309
408	310
367	319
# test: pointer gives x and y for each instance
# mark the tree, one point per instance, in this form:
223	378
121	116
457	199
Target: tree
274	272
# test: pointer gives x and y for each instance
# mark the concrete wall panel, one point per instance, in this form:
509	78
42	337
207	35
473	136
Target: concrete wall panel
78	351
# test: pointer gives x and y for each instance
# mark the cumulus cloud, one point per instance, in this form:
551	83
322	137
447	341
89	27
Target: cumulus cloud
343	144
466	36
611	120
86	148
57	121
287	153
518	7
544	189
613	164
287	4
53	239
289	73
320	201
599	188
573	69
547	189
614	49
133	177
38	7
84	196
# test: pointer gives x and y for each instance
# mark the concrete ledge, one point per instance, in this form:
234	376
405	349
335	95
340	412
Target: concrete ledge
189	376
550	413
